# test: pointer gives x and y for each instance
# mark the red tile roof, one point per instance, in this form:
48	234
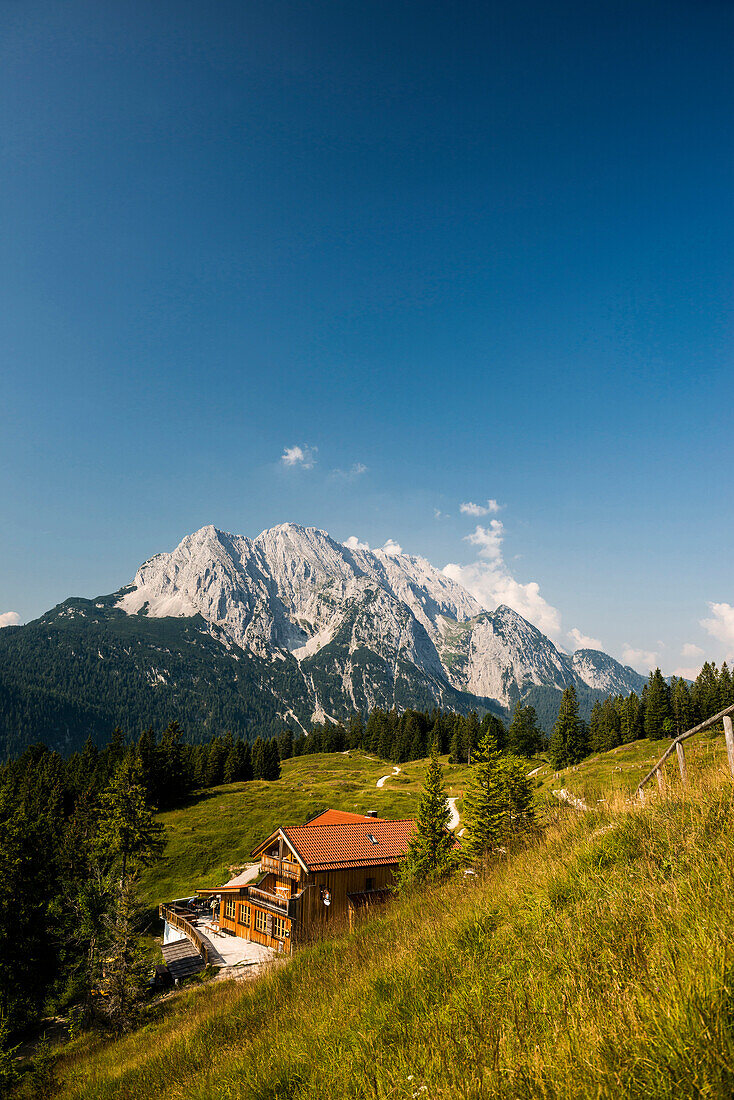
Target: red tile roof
332	847
339	817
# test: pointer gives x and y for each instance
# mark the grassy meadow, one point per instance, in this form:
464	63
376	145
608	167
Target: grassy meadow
219	827
619	771
596	961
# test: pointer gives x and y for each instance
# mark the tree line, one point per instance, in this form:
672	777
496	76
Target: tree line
663	709
411	734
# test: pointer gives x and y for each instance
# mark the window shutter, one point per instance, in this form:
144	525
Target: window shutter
269	924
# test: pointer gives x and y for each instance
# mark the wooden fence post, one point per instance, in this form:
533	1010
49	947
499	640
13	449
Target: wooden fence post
682	762
729	734
661	781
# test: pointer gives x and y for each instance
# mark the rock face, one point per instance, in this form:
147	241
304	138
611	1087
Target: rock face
363	627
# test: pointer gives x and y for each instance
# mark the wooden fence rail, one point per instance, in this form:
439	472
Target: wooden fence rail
676	746
168	914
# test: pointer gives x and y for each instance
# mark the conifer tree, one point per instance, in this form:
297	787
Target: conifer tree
657	709
285	744
611	726
355	731
459	749
491	724
484	802
682	706
128	831
258	759
596	728
473	733
518	794
523	737
705	693
430	848
568	744
125	970
271	760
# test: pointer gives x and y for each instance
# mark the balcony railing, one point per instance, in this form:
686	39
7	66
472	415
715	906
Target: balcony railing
272	901
284	867
171	916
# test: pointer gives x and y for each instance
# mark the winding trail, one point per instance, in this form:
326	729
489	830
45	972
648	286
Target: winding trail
454	814
381	782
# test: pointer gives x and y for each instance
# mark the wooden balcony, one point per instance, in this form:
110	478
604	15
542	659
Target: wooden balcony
270	901
286	868
173	915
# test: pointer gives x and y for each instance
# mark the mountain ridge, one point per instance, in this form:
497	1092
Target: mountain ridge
299	628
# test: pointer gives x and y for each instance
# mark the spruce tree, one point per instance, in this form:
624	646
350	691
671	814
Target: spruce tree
484	802
658	709
431	846
682	706
128	831
568	744
523	737
705	693
271	761
258	759
491	724
596	728
518	794
126	968
459	749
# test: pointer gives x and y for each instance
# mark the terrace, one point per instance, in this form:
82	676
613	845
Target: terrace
217	948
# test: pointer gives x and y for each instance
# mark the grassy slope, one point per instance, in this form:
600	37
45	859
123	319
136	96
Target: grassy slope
595	963
219	828
621	769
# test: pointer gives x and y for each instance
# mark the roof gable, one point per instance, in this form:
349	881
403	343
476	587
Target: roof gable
338	817
368	843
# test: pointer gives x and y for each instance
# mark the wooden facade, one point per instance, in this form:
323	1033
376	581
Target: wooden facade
299	897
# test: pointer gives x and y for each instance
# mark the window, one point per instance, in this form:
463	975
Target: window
229	908
244	917
279	928
370	884
260	921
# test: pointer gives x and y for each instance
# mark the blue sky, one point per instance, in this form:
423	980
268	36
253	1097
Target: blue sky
453	252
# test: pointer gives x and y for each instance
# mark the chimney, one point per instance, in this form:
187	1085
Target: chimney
371	813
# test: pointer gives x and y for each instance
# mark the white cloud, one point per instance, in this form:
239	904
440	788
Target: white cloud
471	509
583	641
721	626
392	548
305	457
9	618
355	470
644	660
354	544
691	650
687	673
491	583
488	539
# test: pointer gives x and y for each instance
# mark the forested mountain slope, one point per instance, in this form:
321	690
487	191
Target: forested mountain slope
231	633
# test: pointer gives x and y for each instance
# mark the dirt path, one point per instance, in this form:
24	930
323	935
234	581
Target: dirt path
381	781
